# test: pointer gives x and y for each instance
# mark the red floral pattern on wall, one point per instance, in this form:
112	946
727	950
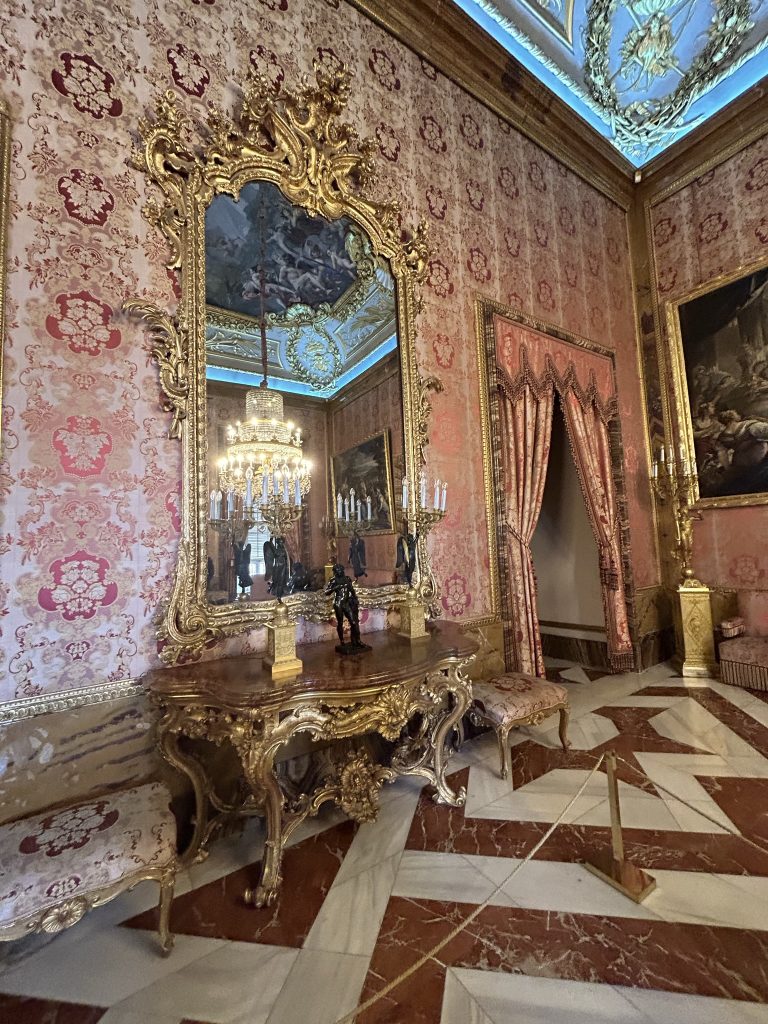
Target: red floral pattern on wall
87	84
710	228
80	586
79	247
84	323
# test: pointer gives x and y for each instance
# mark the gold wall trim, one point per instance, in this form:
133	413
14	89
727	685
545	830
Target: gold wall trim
456	45
5	189
722	155
485	310
67	700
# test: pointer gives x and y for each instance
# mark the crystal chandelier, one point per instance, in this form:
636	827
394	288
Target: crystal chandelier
264	468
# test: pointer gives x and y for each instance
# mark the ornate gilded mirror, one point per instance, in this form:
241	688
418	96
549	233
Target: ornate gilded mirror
290	368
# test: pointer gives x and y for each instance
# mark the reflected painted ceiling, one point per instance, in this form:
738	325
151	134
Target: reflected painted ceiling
644	72
328	304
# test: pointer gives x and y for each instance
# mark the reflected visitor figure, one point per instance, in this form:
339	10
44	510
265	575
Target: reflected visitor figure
346	606
357	555
277	566
242	565
406	555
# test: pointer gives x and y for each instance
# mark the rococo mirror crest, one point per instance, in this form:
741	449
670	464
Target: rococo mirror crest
287	152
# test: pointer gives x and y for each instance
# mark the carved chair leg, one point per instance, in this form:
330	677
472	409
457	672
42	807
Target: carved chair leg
505	754
167	883
564	716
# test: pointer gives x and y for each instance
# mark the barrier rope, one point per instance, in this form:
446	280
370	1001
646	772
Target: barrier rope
431	954
349	1018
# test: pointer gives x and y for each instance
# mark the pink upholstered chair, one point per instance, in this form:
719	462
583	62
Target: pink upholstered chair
514	699
57	865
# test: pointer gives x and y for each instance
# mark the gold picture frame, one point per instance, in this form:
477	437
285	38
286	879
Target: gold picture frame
386	468
296	140
683	422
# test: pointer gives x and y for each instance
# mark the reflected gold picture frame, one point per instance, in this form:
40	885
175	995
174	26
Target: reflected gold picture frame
344	529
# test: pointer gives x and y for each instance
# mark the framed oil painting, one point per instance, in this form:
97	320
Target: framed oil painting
366	469
721	377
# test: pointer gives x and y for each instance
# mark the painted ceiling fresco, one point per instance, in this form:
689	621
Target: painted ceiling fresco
328	303
643	72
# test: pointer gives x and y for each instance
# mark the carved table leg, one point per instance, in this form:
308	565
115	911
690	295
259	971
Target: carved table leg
168	743
454	685
258	766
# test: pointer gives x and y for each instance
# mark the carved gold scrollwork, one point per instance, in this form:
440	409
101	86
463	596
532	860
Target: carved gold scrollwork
297	141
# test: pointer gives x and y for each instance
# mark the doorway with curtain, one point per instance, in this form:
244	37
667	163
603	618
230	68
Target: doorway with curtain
528	370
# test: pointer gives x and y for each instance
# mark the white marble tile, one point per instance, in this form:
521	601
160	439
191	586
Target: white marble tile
485	786
575	675
444	876
478	997
507	998
557	886
379	840
729	901
321	988
121	961
690	723
351	915
236	984
585	732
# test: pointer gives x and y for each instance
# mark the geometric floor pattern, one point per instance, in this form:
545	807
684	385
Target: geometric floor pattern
554	944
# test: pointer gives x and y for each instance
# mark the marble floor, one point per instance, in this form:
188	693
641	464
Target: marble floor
553	944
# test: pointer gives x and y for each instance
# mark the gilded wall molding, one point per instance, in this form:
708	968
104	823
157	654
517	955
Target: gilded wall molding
67	700
5	189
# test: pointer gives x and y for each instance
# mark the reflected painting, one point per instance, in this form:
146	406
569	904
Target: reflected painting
362	486
262	246
724	336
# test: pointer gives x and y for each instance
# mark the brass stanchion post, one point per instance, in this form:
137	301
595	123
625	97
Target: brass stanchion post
611	865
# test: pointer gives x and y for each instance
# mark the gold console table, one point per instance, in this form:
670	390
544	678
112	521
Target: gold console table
419	685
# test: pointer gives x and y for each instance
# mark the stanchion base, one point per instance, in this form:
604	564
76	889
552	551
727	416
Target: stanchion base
622	875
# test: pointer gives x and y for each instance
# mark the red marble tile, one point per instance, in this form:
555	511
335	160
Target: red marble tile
693	959
217	910
26	1010
445	829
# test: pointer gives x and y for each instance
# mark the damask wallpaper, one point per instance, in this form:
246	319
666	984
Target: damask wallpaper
715	225
90	483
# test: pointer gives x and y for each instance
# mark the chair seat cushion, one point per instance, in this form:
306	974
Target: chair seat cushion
62	854
746	650
515	696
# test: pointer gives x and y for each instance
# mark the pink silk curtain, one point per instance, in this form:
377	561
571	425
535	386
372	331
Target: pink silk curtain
591	450
526	431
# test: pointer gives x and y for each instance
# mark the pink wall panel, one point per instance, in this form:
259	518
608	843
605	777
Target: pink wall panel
90	484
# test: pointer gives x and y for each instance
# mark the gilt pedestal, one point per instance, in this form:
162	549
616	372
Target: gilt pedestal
413	617
695	643
281	658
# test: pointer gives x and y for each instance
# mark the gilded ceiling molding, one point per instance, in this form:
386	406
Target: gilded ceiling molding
451	41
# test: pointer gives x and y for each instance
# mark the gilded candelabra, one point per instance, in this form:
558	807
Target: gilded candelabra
416	527
676	484
673	481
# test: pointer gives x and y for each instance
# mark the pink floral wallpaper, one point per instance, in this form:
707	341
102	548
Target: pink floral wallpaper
714	226
90	485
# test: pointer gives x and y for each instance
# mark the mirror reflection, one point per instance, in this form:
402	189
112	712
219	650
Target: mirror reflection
305	420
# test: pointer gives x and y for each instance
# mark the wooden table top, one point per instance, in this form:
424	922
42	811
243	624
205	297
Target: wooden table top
243	682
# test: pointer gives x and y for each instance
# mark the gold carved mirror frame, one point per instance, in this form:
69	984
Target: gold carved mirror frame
296	140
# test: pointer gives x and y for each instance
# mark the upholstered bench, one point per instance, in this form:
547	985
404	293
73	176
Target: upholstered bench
57	865
514	699
744	662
